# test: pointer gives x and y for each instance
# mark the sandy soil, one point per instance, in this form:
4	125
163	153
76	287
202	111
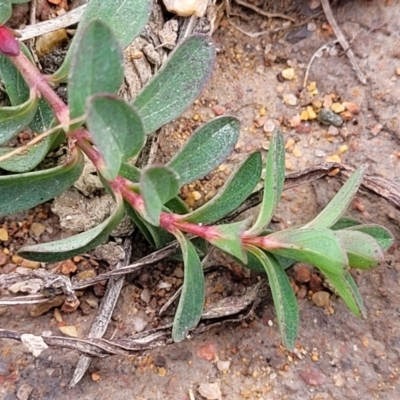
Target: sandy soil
338	356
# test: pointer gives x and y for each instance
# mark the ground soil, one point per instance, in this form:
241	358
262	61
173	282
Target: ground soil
338	356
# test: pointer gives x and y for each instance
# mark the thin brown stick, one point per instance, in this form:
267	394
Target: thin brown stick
104	313
37	139
316	54
342	40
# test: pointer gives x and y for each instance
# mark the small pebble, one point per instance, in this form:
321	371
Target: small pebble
337	108
223	365
311	113
304	115
313	377
317	104
295	121
37	229
352	107
196	195
333	158
328	117
290	99
207	352
333	131
269	126
346	115
69	331
321	299
210	391
302	274
327	101
311	26
3	234
288	74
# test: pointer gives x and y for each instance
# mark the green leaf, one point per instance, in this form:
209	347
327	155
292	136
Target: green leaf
191	302
236	190
116	130
347	289
228	239
284	298
75	245
383	236
97	66
177	206
126	18
338	205
178	83
319	247
130	172
157	186
273	184
5	11
15	85
23	191
254	264
14	119
344	222
363	251
30	158
208	146
19	1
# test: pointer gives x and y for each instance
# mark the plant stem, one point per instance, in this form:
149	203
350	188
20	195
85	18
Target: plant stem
92	153
37	81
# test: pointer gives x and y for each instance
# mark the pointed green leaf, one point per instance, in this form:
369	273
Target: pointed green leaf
343	223
319	247
23	191
273	185
116	130
228	239
97	66
284	298
191	302
178	83
5	11
126	18
383	236
15	85
157	186
338	205
236	190
363	251
254	264
14	119
75	245
347	289
208	147
130	172
29	159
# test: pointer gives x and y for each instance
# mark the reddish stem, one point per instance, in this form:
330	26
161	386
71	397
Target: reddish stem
92	153
263	242
38	82
206	232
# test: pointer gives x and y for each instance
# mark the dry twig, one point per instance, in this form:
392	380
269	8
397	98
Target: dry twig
342	40
104	314
68	19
